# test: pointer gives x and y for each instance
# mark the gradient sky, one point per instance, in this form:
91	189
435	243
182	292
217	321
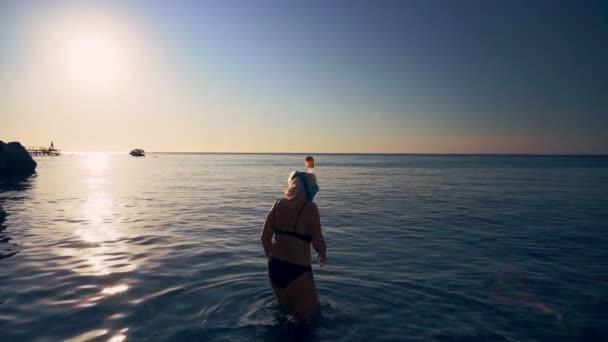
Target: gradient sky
308	76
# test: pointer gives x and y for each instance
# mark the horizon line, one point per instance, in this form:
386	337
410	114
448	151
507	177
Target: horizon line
367	153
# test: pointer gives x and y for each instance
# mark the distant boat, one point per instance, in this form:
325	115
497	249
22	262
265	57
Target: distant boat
138	152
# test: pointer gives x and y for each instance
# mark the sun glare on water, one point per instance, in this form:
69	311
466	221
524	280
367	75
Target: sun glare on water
93	59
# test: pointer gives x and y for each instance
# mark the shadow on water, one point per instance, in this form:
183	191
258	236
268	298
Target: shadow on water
6	249
10	184
16	183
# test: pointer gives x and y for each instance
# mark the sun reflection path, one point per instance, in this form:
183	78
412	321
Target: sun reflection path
88	335
96	334
102	241
108	291
115	289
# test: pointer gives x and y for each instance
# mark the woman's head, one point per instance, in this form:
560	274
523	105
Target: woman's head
300	186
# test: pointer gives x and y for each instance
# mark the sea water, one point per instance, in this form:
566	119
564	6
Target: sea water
420	247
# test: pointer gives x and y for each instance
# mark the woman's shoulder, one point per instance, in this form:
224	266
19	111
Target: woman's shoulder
276	204
280	203
284	202
311	208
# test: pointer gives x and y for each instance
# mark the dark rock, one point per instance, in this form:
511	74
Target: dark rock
15	160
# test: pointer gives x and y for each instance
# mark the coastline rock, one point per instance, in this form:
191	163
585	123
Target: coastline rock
15	160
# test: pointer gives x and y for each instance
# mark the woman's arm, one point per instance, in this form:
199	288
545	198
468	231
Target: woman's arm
268	231
316	235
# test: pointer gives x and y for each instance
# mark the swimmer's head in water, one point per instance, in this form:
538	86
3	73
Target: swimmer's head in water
301	184
310	162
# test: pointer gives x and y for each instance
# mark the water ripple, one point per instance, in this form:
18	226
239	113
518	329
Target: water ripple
430	248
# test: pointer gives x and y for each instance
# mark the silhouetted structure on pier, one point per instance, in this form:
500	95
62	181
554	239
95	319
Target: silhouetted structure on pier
43	151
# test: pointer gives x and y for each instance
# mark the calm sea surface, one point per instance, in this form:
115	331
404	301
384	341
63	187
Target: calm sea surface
166	247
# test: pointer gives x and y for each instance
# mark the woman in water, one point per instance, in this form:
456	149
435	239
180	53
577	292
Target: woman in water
294	222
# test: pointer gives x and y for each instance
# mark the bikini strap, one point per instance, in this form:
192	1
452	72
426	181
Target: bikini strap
274	213
295	225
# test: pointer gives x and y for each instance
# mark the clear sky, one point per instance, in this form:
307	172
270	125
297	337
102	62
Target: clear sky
306	76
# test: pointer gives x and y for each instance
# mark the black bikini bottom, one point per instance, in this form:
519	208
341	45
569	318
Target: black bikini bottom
283	273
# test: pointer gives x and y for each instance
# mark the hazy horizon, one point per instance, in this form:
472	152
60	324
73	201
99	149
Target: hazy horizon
312	153
416	77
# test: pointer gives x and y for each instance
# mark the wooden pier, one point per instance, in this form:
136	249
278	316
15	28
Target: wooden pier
43	151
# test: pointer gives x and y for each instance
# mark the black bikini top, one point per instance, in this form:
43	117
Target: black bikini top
293	233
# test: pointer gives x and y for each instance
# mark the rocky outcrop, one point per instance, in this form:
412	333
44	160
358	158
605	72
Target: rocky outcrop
14	160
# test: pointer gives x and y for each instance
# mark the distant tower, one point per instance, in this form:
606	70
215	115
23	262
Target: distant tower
52	147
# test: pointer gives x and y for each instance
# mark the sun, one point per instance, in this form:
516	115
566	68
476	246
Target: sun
93	59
